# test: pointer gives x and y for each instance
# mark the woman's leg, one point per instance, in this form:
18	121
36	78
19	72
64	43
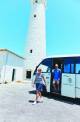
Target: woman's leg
37	95
40	95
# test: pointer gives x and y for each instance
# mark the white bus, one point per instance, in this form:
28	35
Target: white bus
70	74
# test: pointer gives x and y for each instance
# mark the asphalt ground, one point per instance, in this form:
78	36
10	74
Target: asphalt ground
16	106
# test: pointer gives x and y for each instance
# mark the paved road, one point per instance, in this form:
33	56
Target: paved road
15	106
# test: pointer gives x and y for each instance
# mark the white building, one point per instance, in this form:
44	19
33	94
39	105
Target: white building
11	66
36	41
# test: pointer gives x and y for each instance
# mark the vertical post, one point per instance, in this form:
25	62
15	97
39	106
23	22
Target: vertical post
5	66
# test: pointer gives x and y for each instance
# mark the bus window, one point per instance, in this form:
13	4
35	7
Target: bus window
44	68
78	68
69	68
66	68
48	69
72	68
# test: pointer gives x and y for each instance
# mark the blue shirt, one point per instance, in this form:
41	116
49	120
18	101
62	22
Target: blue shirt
56	73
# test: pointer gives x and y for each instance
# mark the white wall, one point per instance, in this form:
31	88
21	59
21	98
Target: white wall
36	37
7	72
19	74
2	74
13	60
8	62
10	59
2	58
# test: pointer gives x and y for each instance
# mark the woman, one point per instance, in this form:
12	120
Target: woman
39	82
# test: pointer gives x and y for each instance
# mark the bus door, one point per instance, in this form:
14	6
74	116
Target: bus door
68	81
77	80
46	71
47	76
60	66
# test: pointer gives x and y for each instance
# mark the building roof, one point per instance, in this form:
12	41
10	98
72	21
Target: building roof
12	53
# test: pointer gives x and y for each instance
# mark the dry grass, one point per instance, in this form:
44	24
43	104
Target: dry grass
18	81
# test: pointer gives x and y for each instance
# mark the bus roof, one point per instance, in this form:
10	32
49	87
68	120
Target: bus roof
63	56
48	60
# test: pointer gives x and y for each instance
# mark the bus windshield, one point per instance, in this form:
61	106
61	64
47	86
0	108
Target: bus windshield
44	68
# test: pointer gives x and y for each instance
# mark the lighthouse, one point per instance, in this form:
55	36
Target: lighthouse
36	39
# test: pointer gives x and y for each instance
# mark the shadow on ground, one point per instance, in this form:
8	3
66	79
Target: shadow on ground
57	97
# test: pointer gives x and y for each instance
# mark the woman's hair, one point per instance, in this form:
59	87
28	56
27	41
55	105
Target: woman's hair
39	70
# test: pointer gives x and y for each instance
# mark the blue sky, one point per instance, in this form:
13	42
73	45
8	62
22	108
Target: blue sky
62	26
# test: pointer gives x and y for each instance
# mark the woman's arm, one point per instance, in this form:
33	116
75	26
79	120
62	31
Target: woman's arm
33	81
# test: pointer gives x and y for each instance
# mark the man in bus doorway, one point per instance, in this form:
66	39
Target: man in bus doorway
56	75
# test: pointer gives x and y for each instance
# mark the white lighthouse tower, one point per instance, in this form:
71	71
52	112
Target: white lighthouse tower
36	43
